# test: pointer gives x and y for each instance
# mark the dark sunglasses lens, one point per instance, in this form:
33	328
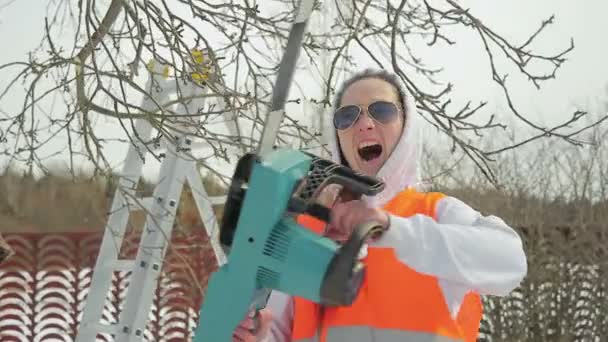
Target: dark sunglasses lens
384	112
345	116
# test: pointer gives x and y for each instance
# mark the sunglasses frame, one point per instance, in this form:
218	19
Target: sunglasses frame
360	107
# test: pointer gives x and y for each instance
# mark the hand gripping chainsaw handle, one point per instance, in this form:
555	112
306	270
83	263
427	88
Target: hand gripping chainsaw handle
324	173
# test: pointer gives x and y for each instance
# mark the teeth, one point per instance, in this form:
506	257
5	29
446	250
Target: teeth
367	143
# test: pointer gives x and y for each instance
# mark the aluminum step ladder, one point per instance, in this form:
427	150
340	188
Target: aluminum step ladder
177	168
163	204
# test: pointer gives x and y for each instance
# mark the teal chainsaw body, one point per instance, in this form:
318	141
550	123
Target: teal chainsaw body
268	250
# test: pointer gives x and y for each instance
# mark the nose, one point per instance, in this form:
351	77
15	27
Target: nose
365	122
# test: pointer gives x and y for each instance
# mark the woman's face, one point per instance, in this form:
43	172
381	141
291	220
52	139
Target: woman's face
368	143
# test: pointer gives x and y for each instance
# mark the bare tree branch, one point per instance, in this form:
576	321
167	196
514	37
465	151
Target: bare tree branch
99	74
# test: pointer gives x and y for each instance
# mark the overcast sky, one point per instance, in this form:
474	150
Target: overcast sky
582	80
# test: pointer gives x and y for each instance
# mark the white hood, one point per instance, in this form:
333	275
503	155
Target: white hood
401	169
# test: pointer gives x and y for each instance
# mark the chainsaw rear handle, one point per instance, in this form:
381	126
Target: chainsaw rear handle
353	188
236	197
355	183
345	273
323	173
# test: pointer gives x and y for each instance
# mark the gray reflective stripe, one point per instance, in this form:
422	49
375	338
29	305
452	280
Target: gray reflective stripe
368	334
314	339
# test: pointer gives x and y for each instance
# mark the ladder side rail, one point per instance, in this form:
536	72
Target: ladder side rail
116	224
157	232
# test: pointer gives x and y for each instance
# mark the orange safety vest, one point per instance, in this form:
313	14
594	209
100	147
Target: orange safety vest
395	302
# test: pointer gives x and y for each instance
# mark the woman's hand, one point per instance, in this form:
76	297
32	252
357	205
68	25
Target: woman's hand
345	216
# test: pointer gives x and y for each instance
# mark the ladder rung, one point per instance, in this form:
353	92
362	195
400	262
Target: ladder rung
162	148
146	202
141	203
100	328
123	265
193	146
200	145
216	200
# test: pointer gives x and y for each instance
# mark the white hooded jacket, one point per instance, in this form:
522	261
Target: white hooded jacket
465	250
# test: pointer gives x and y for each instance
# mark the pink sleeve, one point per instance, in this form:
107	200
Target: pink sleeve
281	306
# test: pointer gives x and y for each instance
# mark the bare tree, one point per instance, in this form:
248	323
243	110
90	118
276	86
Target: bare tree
92	64
92	54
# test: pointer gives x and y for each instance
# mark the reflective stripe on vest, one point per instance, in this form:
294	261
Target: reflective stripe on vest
386	310
311	339
366	334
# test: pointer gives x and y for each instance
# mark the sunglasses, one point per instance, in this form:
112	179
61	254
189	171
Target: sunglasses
382	111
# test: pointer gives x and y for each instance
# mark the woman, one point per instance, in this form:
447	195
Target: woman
426	273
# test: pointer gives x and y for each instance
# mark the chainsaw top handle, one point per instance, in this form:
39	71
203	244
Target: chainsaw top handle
324	173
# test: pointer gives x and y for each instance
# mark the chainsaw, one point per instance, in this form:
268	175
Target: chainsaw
265	247
268	250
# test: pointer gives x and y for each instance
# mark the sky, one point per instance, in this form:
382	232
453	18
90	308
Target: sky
584	77
582	81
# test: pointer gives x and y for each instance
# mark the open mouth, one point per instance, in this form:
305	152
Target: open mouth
369	152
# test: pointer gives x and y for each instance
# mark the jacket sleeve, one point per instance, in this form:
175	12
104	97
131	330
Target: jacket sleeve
462	247
281	306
